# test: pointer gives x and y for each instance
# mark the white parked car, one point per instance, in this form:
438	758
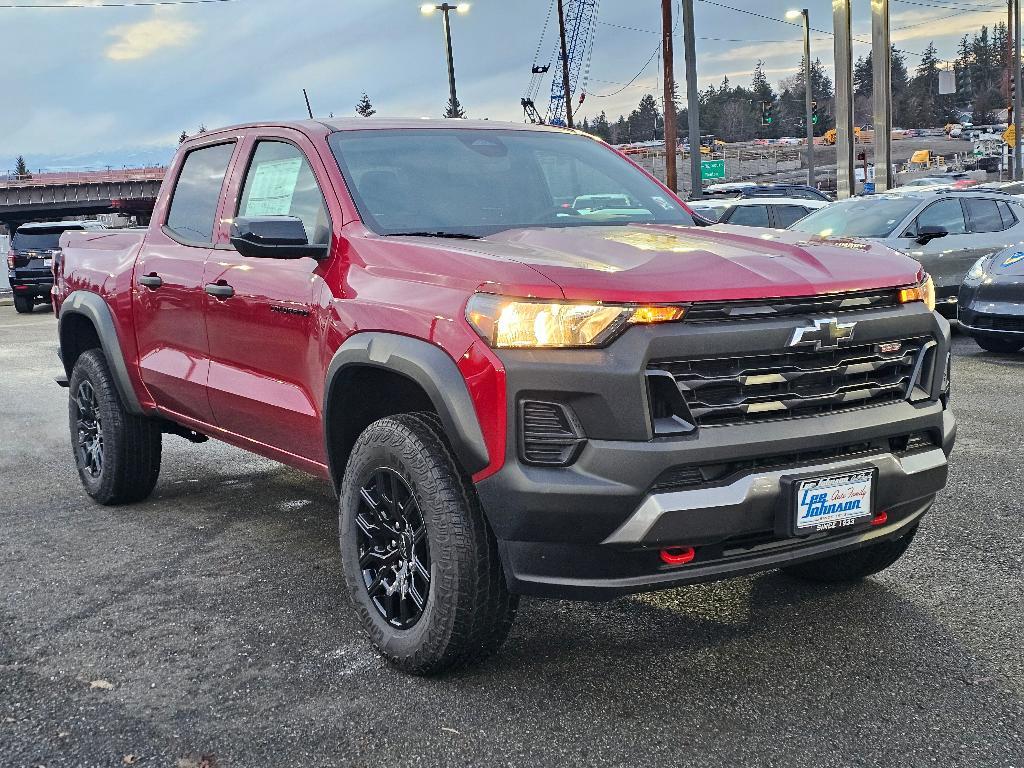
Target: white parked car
770	212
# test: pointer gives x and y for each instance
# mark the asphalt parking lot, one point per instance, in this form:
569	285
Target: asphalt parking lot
206	627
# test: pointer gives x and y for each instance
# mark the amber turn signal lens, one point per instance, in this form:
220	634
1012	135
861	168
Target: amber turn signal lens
924	291
656	314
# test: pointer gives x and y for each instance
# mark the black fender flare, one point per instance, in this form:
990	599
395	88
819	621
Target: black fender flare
93	307
428	366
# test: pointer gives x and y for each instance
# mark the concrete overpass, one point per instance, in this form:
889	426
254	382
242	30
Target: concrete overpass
44	196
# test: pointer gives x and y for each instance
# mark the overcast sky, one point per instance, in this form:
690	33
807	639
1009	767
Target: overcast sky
94	79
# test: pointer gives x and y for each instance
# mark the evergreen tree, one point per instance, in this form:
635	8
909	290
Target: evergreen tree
182	138
645	122
454	110
364	108
202	128
600	127
20	169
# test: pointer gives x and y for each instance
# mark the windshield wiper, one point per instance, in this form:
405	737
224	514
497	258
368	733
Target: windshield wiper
454	235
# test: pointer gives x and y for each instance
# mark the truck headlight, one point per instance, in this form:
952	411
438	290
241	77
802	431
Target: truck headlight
923	291
505	322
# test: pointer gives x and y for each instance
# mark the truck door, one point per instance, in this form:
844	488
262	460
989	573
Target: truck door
169	302
262	315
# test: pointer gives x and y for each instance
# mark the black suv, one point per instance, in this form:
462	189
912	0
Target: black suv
30	260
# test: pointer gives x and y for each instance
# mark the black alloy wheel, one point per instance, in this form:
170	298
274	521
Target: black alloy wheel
90	429
394	554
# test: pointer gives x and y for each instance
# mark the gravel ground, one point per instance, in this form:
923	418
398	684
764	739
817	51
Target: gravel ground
206	627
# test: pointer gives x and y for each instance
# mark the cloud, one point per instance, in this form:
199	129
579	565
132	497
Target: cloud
144	38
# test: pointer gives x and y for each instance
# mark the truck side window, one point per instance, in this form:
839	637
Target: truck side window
197	192
280	182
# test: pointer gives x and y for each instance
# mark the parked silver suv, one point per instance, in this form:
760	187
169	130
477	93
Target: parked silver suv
947	231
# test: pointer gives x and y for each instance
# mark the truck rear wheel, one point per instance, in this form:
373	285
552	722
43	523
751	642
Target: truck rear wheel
23	304
117	453
421	564
855	565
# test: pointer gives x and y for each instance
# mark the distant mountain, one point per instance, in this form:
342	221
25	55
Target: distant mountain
132	157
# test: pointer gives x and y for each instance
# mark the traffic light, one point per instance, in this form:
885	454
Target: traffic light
767	113
814	112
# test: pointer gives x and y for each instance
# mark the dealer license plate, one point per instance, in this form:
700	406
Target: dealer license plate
47	263
835	501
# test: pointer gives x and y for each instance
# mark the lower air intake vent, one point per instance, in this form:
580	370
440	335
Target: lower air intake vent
551	434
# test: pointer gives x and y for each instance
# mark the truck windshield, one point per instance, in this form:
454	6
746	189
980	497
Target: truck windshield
38	239
475	182
857	218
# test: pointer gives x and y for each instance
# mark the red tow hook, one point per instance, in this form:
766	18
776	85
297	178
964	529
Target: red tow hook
678	555
880	519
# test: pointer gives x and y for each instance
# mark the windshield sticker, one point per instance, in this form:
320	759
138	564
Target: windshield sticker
1015	258
272	188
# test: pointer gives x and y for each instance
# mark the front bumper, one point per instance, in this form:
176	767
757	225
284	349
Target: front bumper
593	530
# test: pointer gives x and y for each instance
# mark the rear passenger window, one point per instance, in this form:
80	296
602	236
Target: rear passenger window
280	182
1007	214
787	214
749	216
984	215
195	197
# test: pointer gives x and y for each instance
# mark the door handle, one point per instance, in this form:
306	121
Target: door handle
151	281
219	290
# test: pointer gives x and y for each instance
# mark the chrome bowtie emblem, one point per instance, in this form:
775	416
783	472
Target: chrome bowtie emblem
827	333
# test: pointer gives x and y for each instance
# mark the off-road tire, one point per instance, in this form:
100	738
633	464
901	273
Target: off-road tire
131	445
468	609
23	304
855	565
999	344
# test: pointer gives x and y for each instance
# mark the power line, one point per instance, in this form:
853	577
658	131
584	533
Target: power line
955	7
140	4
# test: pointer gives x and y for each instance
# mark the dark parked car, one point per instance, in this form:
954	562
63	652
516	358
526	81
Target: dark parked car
800	191
30	260
992	301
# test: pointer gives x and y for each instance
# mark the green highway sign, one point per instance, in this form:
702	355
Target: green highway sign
712	169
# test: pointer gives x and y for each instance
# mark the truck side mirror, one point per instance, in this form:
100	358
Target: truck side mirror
927	233
274	237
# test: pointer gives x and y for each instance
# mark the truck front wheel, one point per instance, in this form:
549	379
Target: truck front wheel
421	564
855	565
117	453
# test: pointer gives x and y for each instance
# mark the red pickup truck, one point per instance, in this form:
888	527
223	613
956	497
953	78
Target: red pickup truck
522	368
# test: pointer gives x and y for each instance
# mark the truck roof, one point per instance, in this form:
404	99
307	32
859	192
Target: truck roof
382	123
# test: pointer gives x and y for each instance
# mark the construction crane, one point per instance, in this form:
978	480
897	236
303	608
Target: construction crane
580	20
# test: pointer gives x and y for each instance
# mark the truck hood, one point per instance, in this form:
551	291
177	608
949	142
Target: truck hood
661	263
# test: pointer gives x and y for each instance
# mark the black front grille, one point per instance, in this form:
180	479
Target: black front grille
808	305
751	388
999	323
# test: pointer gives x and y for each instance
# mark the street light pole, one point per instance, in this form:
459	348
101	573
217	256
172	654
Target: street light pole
1018	97
808	93
692	99
445	8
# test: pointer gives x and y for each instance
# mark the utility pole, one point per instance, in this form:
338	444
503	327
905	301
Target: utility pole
846	182
567	95
881	57
808	97
692	99
1017	95
670	103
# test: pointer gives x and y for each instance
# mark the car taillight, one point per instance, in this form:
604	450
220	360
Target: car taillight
10	259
